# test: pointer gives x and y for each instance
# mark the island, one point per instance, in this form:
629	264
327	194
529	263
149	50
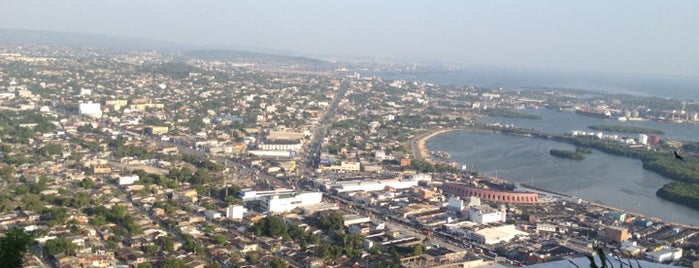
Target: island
572	155
510	114
626	129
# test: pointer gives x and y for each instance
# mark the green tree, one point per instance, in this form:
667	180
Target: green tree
173	263
13	246
32	202
87	183
59	245
278	263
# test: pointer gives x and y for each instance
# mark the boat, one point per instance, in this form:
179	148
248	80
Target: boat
594	113
441	154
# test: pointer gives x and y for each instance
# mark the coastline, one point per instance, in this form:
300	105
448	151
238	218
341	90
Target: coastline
419	147
420	151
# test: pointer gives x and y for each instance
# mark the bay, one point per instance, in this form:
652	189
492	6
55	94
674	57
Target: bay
565	122
602	178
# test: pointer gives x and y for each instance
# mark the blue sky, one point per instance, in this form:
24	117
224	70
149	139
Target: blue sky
656	37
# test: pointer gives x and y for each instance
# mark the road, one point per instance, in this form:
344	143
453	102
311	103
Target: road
313	154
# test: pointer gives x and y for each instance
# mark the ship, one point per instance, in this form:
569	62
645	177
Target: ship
441	154
594	113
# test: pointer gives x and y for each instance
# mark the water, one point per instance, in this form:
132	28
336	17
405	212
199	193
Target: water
564	122
607	179
676	87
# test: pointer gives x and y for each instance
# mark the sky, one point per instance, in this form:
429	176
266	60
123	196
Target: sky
621	36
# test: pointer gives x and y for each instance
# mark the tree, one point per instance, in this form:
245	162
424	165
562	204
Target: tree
173	263
277	263
144	265
87	183
252	259
271	226
219	239
59	245
331	221
201	177
32	202
13	246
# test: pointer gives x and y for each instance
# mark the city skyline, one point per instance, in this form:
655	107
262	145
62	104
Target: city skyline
625	37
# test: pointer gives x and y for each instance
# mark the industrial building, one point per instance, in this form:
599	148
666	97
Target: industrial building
664	254
490	236
464	190
286	202
370	185
485	214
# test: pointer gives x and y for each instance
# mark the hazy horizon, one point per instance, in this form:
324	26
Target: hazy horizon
595	36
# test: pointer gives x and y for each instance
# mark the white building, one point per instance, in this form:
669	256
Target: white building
665	254
484	214
643	139
91	109
235	212
281	145
253	195
496	235
212	215
371	185
344	166
351	219
287	202
128	180
455	205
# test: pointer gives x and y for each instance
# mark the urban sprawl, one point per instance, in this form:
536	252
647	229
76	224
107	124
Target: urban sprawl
113	158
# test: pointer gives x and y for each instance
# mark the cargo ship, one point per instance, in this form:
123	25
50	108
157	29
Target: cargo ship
594	113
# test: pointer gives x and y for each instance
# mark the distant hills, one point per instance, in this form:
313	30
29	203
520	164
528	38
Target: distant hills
25	37
230	55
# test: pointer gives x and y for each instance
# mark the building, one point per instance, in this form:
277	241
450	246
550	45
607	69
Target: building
287	202
128	180
485	214
616	234
344	166
495	235
370	185
463	190
212	215
101	169
351	219
617	216
642	139
155	130
664	254
235	212
90	109
253	195
455	205
281	145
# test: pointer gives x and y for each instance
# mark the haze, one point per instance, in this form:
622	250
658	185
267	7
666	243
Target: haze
655	37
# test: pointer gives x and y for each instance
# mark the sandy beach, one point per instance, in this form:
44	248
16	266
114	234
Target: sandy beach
420	149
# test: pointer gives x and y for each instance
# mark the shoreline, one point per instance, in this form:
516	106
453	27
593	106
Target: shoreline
421	152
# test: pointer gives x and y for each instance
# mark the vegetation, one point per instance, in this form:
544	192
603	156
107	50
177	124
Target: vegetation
626	129
680	192
572	155
13	246
59	245
510	114
427	167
